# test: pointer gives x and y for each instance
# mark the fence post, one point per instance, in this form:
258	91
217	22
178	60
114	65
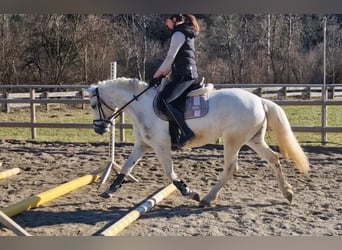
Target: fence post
324	87
332	92
122	130
7	104
285	93
33	114
324	115
308	93
83	96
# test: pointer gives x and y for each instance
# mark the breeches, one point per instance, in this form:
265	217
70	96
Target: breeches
168	89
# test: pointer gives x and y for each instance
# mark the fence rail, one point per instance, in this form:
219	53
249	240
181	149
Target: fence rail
283	94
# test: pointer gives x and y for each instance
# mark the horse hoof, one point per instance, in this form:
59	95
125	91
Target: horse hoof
107	194
194	196
289	196
204	203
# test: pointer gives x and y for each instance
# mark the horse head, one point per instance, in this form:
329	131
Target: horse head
103	113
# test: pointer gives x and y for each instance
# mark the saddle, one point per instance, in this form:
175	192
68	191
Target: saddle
196	104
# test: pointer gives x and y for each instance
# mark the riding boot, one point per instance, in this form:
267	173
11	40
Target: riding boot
186	132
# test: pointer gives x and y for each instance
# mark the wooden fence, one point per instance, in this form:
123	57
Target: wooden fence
283	94
47	95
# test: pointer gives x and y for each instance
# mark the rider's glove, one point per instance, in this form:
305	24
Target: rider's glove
155	82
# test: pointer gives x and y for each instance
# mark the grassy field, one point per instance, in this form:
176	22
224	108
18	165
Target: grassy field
298	116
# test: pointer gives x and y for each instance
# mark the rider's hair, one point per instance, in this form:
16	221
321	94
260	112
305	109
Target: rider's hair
181	18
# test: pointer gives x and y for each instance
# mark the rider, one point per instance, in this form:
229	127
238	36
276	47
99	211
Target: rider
181	63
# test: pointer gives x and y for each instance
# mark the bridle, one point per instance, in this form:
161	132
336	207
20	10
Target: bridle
103	119
116	112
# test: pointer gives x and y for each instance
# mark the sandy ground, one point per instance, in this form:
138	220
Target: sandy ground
250	204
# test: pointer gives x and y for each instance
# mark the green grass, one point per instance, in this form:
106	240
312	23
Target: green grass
298	116
65	114
311	116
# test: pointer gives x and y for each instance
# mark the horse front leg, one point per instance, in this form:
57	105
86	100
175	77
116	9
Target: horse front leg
164	157
139	149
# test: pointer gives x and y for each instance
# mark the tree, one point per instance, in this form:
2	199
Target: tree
334	51
51	51
78	48
12	37
139	42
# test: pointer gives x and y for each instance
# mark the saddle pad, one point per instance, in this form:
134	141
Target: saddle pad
196	106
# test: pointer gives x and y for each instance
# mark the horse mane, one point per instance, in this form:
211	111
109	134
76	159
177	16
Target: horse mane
129	84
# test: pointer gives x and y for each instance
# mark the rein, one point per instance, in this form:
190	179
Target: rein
115	113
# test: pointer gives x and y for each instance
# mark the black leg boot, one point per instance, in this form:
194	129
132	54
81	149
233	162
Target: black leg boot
178	117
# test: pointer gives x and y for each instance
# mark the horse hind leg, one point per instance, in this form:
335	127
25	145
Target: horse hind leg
214	192
258	144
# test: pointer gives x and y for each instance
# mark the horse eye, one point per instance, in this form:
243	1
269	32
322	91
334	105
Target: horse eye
93	106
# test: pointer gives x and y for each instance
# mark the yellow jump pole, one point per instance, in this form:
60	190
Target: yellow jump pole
39	199
138	211
9	172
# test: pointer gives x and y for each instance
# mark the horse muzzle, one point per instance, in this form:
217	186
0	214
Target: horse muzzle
101	128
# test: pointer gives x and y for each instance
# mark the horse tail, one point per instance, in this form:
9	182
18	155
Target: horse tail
288	144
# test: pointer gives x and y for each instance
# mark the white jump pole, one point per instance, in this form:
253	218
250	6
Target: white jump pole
138	211
111	143
112	131
111	164
12	225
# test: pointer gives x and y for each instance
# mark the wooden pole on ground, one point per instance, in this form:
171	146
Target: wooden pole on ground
39	199
9	172
138	211
12	225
